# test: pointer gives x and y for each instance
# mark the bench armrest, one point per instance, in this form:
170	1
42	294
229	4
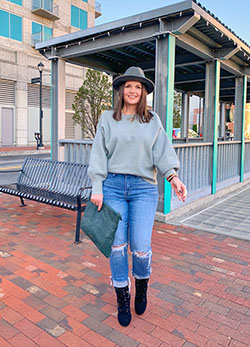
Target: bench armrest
78	197
82	189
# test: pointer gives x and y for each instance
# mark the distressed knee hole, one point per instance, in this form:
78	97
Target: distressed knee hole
119	247
142	254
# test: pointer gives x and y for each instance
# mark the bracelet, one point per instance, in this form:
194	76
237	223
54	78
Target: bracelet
170	177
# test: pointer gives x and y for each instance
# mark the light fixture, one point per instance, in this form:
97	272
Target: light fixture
40	67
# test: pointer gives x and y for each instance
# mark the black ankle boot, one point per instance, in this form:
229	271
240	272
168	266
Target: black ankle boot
141	287
123	305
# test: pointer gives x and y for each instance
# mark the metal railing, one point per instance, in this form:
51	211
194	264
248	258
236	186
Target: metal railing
39	37
47	5
98	7
228	160
76	151
247	157
195	162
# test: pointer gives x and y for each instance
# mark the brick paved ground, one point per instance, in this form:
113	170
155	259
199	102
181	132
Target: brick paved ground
54	293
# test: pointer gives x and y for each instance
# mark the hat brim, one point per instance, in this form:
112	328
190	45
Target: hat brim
118	81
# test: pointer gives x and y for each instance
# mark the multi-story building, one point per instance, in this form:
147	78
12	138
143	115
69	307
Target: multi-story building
23	23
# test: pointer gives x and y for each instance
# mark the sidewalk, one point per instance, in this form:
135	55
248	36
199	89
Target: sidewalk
16	150
54	293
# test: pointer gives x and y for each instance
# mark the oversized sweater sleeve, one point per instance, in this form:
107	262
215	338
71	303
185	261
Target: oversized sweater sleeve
98	160
164	155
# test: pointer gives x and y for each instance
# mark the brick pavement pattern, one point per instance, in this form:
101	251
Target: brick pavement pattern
55	293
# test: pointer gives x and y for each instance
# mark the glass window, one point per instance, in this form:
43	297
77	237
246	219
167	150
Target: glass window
48	5
18	2
85	0
79	18
83	19
75	16
36	28
40	33
11	25
15	27
4	20
47	33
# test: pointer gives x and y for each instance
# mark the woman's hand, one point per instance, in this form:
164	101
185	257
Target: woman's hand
179	188
97	199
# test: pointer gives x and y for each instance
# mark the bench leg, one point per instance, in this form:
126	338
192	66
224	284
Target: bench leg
78	223
22	201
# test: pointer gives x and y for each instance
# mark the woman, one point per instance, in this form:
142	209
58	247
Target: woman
130	145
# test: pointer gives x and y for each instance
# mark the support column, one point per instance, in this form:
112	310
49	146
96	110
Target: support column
164	102
57	107
222	119
184	115
210	130
243	114
238	109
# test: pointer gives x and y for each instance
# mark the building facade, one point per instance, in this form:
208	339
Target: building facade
23	23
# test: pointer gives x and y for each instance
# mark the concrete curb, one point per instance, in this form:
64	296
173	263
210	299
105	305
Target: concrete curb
16	153
199	204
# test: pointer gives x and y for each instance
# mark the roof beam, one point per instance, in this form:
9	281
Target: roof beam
121	39
226	53
93	63
181	25
198	48
145	50
197	34
215	23
246	71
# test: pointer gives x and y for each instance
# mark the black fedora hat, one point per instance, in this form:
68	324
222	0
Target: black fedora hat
134	73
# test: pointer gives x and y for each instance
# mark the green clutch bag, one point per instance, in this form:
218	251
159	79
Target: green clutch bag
100	226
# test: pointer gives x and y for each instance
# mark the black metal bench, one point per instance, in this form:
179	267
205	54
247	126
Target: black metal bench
55	183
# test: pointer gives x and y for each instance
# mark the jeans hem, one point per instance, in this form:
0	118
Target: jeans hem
120	284
141	277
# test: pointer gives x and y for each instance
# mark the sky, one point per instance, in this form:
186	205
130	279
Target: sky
233	13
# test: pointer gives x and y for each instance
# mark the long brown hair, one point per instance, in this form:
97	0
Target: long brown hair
141	110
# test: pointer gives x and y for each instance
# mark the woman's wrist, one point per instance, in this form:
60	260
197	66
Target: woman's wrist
170	177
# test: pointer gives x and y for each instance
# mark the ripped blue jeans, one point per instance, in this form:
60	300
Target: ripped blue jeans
136	200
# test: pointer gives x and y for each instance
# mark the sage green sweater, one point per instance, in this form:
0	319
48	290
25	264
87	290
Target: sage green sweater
130	147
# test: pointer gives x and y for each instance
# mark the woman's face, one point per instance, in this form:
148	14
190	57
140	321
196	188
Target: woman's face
132	92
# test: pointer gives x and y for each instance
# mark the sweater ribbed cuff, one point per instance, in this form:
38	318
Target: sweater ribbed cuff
169	172
97	187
